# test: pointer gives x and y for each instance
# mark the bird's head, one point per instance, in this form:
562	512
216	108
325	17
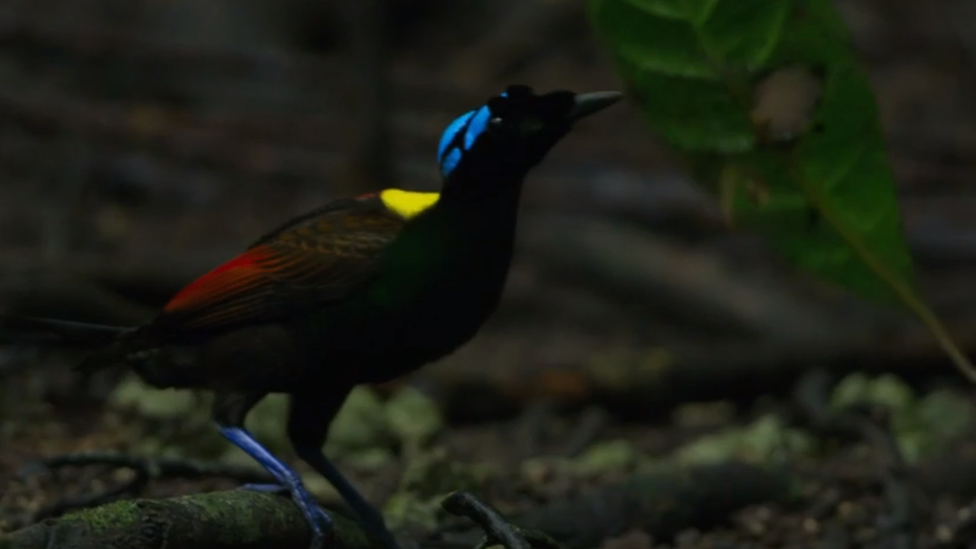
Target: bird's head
513	131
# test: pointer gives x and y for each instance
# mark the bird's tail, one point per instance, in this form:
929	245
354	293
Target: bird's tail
25	328
109	340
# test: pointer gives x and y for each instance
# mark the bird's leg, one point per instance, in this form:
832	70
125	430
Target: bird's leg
229	411
309	418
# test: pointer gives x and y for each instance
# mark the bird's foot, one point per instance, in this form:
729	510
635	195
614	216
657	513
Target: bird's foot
369	516
268	488
320	529
318	520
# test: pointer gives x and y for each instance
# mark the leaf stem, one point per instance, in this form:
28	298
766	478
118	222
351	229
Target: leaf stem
901	288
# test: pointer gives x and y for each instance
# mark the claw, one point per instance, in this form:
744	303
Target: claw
321	525
318	540
318	520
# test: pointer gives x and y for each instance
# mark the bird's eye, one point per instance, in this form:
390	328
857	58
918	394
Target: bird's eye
495	121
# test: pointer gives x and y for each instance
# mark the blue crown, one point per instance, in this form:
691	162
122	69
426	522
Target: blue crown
460	135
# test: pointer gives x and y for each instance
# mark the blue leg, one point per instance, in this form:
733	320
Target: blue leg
229	411
318	520
308	424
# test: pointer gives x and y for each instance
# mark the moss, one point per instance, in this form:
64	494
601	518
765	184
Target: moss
922	426
606	457
241	516
886	390
319	486
121	514
414	418
361	424
234	518
405	510
428	477
761	442
372	459
435	473
234	514
266	422
151	402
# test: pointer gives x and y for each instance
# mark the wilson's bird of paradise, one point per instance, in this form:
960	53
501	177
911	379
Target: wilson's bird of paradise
360	290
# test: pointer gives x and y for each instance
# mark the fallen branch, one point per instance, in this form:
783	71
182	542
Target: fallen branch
498	529
217	520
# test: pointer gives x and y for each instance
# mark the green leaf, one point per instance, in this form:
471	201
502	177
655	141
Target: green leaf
697	67
768	103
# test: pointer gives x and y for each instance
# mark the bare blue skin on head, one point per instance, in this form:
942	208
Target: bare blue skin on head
459	136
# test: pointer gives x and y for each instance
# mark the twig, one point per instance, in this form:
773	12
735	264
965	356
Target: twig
497	529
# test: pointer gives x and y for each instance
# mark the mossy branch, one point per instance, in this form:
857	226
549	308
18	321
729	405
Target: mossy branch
661	501
217	520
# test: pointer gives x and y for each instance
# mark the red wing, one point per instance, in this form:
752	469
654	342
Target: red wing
314	260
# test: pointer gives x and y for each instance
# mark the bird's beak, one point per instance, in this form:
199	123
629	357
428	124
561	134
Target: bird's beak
591	103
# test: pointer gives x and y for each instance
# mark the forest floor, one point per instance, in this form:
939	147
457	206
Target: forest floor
876	466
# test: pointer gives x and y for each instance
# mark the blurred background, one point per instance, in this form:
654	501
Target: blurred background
142	143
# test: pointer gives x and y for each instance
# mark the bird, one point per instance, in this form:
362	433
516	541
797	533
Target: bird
361	290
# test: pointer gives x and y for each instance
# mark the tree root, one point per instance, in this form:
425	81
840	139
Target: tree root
498	530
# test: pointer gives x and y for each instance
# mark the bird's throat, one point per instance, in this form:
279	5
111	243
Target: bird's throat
495	194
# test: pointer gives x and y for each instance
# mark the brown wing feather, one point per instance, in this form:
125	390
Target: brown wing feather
314	259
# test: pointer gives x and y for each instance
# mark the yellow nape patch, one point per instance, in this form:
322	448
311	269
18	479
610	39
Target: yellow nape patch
408	204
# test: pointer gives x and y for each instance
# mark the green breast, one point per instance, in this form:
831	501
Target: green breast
437	282
427	254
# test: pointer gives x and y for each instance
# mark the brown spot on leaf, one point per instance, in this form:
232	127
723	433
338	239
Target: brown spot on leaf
784	102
